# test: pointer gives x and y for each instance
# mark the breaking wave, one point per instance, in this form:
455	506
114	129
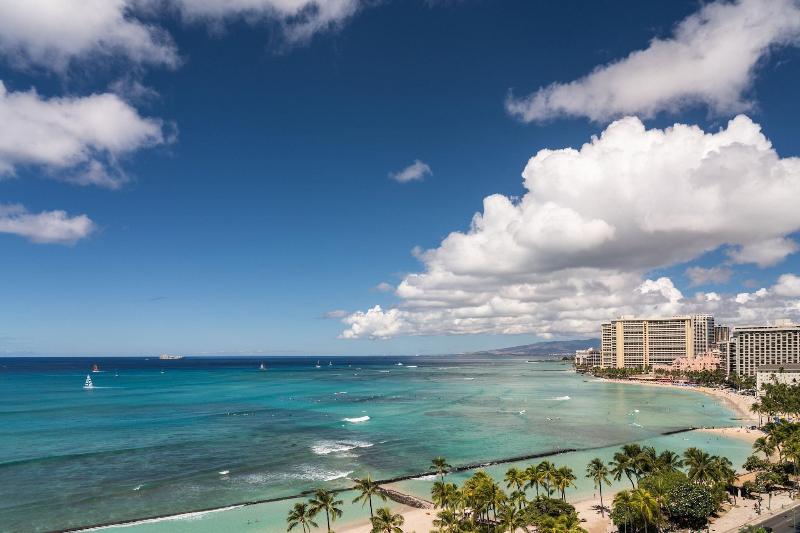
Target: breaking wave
325	447
356	420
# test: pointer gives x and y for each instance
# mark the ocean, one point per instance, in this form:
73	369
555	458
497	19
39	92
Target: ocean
159	437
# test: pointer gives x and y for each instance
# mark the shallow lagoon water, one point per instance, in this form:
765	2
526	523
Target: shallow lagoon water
154	436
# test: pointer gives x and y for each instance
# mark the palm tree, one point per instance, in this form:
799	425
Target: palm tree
301	515
367	489
668	461
621	465
535	477
547	468
564	478
446	520
701	466
511	518
441	466
623	500
325	500
764	446
439	494
385	521
515	478
598	472
646	506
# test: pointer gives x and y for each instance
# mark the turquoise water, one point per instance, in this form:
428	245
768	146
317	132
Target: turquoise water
154	436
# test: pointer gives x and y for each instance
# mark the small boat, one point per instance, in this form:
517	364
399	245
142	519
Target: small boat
263	367
95	368
168	357
330	363
317	365
88	384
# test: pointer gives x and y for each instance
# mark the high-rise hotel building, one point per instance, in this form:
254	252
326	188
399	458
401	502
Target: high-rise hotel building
753	347
636	342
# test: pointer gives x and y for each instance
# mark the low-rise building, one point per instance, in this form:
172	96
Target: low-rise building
709	361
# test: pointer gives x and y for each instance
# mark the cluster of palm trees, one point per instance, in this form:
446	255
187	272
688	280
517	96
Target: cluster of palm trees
648	505
482	504
383	520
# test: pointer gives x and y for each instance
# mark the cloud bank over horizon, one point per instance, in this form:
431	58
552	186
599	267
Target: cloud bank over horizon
577	248
711	59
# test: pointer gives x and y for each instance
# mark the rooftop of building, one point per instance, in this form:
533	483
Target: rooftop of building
786	367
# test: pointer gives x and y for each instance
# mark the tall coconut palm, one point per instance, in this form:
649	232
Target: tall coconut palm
646	506
762	445
598	472
385	521
325	500
668	461
440	465
547	468
439	494
564	479
301	515
535	477
367	489
515	478
622	500
621	465
701	466
511	518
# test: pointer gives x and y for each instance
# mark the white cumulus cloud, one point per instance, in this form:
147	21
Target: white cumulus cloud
78	139
577	247
52	227
416	171
55	33
710	59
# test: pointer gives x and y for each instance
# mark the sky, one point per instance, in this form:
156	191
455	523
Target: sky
390	177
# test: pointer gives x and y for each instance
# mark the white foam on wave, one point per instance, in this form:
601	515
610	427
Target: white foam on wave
411	366
469	379
429	477
325	447
356	420
561	398
384	371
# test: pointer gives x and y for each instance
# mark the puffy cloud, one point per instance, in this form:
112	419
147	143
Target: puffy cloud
788	285
78	139
55	33
710	59
416	171
577	247
705	276
55	227
764	253
375	324
52	33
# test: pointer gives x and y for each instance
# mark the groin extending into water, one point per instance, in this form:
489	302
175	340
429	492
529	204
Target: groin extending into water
306	493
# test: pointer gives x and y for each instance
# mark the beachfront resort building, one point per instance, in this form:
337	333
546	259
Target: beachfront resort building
632	342
788	374
587	357
756	347
709	361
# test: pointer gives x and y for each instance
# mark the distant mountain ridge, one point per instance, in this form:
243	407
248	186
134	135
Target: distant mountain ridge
546	348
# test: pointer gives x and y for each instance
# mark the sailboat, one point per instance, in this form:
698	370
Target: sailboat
330	363
317	365
263	367
95	369
88	384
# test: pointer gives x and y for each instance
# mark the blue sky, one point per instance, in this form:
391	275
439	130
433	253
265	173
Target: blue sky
247	193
